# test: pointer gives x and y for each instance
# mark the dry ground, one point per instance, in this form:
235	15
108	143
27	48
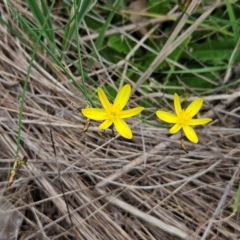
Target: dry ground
146	188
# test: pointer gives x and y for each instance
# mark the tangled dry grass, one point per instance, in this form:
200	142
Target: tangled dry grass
101	187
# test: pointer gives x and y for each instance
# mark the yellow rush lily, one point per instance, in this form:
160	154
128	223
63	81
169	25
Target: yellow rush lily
184	118
114	113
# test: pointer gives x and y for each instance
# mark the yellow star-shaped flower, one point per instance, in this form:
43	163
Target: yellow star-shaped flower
184	118
114	113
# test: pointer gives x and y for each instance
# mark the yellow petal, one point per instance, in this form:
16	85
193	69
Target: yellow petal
122	96
194	107
177	104
106	124
103	98
122	128
200	121
95	113
175	128
130	112
167	117
190	133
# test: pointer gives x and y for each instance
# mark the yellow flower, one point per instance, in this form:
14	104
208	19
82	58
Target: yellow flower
114	113
184	118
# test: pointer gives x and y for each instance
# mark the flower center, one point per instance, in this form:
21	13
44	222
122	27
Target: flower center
184	117
113	111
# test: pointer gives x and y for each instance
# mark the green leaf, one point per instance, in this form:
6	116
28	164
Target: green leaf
197	82
159	7
214	51
92	23
122	44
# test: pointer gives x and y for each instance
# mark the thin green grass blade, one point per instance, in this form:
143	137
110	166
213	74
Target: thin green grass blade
22	103
198	70
237	200
24	22
34	33
43	18
99	40
82	7
80	59
233	20
224	87
45	10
